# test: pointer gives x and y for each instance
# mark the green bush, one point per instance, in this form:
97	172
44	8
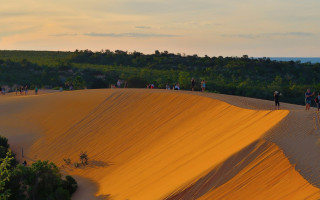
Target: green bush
41	180
5	175
3	152
4	142
84	157
70	184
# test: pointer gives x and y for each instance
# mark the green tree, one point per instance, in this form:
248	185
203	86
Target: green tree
5	173
42	180
184	80
70	184
4	142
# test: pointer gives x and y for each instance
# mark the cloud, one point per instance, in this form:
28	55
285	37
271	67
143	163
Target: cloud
13	14
143	27
269	35
64	34
18	32
136	35
151	7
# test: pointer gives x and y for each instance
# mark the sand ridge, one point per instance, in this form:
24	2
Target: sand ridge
143	144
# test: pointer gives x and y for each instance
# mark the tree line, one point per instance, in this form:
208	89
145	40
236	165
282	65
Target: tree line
244	76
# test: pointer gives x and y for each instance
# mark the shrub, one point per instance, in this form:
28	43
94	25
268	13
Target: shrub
62	194
84	158
70	184
3	152
76	165
4	142
67	161
42	180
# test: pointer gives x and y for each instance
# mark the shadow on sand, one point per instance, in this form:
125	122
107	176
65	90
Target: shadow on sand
87	189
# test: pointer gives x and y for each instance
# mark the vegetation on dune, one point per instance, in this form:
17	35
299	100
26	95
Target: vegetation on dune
41	180
83	157
242	76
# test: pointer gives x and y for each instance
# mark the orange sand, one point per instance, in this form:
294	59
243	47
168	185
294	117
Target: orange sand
150	144
259	171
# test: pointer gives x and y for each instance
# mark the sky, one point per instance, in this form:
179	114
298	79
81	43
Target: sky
271	28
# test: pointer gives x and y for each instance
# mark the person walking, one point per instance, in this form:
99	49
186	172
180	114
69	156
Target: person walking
119	83
36	90
193	83
276	95
308	96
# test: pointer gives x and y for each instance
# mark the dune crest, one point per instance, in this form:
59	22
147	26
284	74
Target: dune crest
142	144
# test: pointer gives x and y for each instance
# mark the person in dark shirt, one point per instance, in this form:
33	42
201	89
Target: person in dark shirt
308	96
276	95
193	83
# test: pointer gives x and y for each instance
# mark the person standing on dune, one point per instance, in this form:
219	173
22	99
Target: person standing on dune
193	83
308	96
26	90
21	90
276	100
203	85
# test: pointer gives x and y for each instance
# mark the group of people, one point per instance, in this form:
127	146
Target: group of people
203	84
308	99
150	86
119	83
23	90
309	95
174	87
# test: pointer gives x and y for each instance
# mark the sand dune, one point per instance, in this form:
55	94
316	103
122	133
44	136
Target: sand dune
259	171
154	144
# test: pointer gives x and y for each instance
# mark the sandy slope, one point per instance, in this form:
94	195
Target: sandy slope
146	144
259	171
